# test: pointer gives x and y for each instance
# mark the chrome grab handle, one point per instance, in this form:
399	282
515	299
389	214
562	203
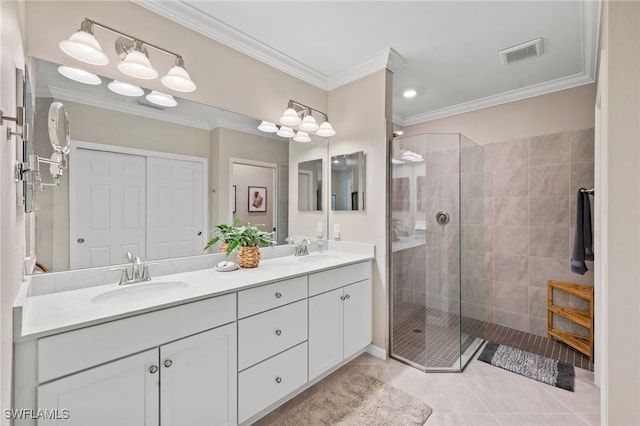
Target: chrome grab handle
278	332
278	379
278	295
153	369
168	363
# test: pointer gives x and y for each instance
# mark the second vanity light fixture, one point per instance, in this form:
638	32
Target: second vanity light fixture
299	115
84	47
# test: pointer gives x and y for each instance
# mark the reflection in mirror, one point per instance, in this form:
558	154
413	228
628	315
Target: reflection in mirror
310	185
347	181
144	178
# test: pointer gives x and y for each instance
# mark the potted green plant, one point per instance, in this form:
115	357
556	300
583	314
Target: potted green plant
246	239
222	231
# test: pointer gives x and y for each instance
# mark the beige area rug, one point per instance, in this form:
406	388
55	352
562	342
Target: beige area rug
356	399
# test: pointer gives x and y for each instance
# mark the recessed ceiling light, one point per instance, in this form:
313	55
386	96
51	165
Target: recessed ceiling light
409	93
125	89
81	76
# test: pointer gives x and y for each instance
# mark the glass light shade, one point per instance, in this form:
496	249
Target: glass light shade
286	132
161	99
325	130
136	64
290	117
302	137
178	79
84	47
79	75
308	124
268	127
125	89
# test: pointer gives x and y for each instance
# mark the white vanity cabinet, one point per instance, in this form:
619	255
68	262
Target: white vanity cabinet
339	315
189	380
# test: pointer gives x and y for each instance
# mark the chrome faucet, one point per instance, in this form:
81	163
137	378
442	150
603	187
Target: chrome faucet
302	249
139	270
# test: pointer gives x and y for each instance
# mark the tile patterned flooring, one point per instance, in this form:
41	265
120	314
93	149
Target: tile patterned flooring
437	344
481	395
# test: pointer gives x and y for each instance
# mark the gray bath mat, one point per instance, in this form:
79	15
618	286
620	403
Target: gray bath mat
356	399
536	367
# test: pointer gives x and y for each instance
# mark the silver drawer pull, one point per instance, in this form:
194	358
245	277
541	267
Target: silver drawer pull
168	363
278	379
347	296
153	369
342	298
278	332
278	295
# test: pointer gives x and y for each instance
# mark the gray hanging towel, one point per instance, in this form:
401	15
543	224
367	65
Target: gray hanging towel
583	240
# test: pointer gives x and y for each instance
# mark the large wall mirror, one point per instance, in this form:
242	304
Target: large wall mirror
310	185
347	181
148	178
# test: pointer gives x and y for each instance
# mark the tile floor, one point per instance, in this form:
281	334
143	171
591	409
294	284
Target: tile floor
481	395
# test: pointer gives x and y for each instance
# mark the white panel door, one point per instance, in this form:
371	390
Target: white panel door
176	219
357	317
122	392
199	379
325	332
108	218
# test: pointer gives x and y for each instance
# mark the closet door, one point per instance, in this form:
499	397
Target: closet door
108	216
175	202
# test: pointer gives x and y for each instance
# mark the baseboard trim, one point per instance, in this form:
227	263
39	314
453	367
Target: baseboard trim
377	352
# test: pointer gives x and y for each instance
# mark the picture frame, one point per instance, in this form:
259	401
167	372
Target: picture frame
257	199
234	199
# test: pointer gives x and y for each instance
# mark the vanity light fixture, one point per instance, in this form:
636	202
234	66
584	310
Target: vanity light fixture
84	47
301	115
268	127
161	99
79	75
302	137
125	89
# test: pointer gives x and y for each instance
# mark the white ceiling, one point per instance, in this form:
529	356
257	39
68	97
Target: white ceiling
449	49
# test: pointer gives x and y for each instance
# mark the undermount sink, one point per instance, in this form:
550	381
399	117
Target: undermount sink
318	257
137	292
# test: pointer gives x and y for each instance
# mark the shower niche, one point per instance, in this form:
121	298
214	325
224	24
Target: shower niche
438	250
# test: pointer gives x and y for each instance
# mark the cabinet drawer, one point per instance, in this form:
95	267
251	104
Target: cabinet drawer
263	298
329	280
79	349
267	382
269	333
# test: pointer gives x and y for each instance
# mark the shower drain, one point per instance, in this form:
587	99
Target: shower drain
418	330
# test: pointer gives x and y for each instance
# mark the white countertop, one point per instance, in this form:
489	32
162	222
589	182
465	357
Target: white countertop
47	314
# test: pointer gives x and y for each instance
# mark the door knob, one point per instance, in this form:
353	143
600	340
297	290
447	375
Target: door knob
153	369
278	332
168	363
278	379
199	233
278	295
80	240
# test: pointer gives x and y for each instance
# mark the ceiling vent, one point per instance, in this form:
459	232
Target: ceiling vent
522	51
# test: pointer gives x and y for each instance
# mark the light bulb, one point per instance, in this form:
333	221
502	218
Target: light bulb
178	78
83	46
325	130
290	117
136	64
308	124
286	132
302	137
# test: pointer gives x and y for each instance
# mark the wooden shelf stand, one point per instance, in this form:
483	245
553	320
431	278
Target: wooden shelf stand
582	318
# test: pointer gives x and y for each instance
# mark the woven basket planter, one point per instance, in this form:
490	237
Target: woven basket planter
248	257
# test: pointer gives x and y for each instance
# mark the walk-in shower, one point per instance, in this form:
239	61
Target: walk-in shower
437	246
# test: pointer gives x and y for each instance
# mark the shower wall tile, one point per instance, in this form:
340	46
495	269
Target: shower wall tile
473	211
511	297
512	211
549	242
542	269
549	211
549	149
538	326
582	176
507	155
582	145
549	180
511	319
537	302
510	182
513	269
513	240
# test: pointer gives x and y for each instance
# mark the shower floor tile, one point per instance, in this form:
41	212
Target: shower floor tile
430	337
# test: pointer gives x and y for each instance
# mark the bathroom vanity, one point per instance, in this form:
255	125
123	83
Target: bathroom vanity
200	347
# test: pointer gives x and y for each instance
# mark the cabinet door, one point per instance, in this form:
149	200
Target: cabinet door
357	317
122	392
325	332
199	379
